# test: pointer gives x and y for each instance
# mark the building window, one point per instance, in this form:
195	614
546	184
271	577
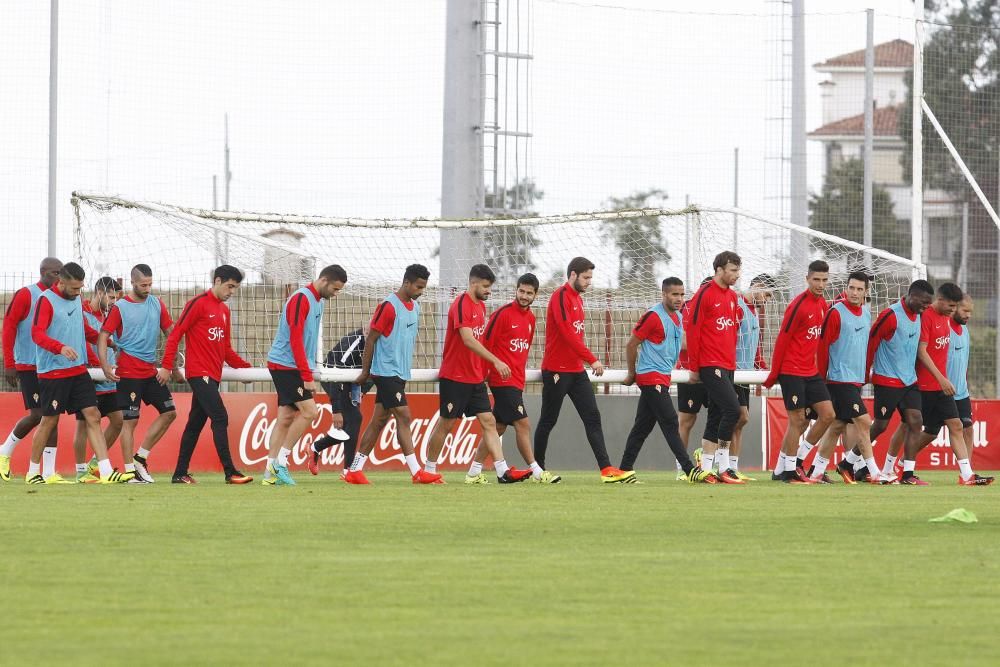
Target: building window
834	156
886	167
941	240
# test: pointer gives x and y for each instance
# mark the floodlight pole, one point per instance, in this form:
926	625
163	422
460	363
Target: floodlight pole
917	195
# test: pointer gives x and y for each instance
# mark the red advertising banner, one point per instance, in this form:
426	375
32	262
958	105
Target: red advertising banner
936	456
251	420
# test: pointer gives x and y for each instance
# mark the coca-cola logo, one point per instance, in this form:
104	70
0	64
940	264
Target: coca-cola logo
459	446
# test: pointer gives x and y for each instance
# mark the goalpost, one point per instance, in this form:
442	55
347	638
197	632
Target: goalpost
632	249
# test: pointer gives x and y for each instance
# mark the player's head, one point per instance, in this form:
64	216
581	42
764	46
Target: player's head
71	277
964	310
761	289
817	276
673	293
414	281
481	279
580	273
48	271
142	280
947	298
226	280
330	281
527	290
727	265
106	291
919	296
857	288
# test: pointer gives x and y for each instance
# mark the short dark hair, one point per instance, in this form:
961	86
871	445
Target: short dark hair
227	272
920	286
860	276
415	272
528	279
334	273
482	272
579	265
726	257
950	292
72	271
143	270
765	280
107	284
671	282
818	266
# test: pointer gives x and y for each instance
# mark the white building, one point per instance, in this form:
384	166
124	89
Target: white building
842	136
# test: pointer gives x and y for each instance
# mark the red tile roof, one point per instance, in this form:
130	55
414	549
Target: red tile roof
886	124
897	53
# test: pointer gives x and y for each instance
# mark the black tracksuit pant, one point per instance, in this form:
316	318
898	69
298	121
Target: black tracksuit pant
655	407
206	403
556	387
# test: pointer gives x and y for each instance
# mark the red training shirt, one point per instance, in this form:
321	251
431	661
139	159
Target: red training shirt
40	335
795	347
713	327
649	327
509	335
883	329
205	325
296	315
935	330
565	350
17	311
129	366
458	362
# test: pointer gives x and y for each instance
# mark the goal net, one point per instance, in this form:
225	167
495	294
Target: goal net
633	251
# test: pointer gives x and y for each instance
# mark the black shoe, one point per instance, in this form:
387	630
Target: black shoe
182	479
861	475
825	479
775	477
507	478
846	471
792	477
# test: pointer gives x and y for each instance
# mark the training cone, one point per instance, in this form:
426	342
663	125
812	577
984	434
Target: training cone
960	515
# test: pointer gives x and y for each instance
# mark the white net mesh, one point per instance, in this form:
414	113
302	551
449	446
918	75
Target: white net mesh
632	249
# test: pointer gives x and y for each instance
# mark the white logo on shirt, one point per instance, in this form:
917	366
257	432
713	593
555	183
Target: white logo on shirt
724	323
216	333
212	315
941	342
518	345
813	333
578	326
513	326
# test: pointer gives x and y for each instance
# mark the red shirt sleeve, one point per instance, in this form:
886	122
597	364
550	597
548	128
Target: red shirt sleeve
883	329
569	333
232	358
165	320
465	316
40	325
926	328
17	310
89	332
113	322
384	318
831	332
649	327
295	315
781	344
187	318
496	319
694	331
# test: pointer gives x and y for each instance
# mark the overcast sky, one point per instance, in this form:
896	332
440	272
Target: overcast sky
335	106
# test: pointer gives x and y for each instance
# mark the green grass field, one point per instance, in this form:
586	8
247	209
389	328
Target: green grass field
579	573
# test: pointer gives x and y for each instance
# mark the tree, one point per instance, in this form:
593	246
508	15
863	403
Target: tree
839	210
508	249
640	241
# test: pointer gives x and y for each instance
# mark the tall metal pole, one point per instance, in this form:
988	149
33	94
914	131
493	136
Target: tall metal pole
996	316
917	196
869	122
461	163
799	186
53	119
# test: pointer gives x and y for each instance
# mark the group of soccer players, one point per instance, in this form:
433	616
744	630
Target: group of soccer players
915	354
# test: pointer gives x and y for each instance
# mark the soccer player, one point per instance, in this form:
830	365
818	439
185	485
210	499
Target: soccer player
291	362
691	399
19	367
651	353
937	393
749	356
205	326
510	332
712	337
794	367
61	334
841	359
563	373
136	323
891	365
462	377
958	369
387	362
95	310
345	400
